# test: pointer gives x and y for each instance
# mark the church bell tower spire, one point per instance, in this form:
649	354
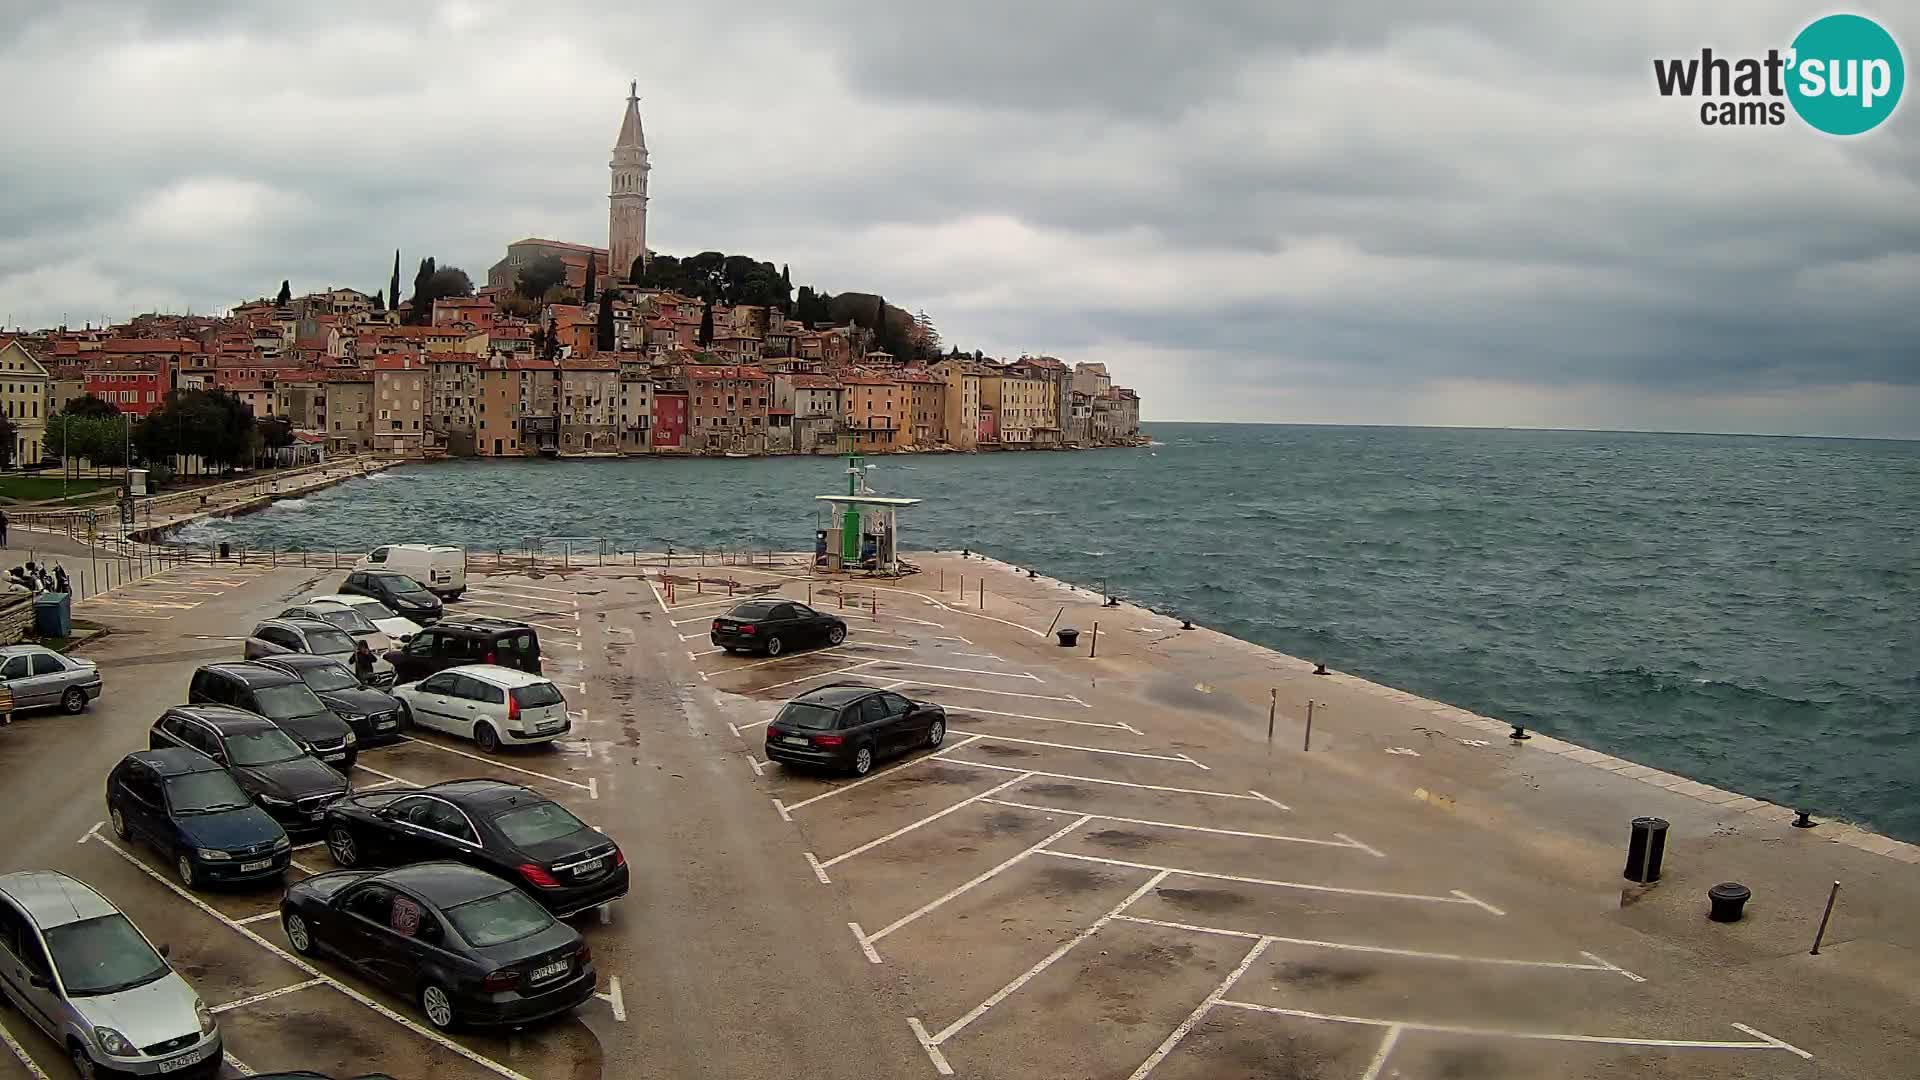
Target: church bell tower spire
627	198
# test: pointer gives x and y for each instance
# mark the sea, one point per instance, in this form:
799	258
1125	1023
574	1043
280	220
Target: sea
1741	610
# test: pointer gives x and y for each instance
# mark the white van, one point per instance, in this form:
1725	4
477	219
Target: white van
442	568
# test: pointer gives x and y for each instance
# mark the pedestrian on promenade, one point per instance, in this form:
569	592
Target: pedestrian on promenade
362	660
3	528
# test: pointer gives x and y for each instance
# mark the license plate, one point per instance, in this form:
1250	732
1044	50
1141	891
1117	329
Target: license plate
587	867
333	757
179	1063
386	725
797	740
316	815
558	967
257	864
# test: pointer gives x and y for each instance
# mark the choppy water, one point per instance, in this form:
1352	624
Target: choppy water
1741	610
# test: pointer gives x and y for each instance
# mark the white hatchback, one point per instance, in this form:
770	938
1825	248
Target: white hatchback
492	705
397	627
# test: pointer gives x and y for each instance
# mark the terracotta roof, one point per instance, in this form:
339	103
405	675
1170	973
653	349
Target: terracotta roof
725	371
440	356
394	363
815	382
125	363
532	364
148	345
608	362
780	412
350	376
582	248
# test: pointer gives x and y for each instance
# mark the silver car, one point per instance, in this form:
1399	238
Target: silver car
82	972
277	637
40	678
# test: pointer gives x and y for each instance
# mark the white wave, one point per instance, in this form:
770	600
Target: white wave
198	532
291	506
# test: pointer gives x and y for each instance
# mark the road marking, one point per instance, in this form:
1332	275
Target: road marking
1188	828
759	767
529	595
962	670
1610	966
742	598
1114	783
1269	801
779	660
929	819
89	834
1380	894
1380	1056
981	656
1368	848
262	917
919	1032
235	1063
822	675
657	598
1476	903
268	995
842	789
562	644
33	1067
1342	946
613	996
439	1039
509	607
1767	1042
866	941
983	690
389	777
307	870
564	594
782	809
574	630
1206	1005
1065	947
818	870
587	787
1085	749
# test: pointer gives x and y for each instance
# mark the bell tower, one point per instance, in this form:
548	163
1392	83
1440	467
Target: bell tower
627	199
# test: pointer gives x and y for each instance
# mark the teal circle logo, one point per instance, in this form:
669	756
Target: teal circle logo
1847	74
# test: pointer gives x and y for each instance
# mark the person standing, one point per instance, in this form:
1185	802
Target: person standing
3	528
362	660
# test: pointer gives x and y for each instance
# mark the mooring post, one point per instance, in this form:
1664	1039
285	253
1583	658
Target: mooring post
983	594
1824	916
1306	741
1273	709
1054	623
1093	644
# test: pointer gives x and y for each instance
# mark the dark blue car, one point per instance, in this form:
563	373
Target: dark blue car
186	807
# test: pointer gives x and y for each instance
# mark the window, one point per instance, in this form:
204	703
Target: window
373	903
873	710
16	667
445	818
47	664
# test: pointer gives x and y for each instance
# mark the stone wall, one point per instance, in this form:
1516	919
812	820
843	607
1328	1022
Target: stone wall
16	616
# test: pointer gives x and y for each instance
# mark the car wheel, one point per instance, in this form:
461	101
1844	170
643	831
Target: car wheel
298	935
341	846
863	761
184	867
438	1005
74	700
83	1065
485	737
936	734
775	646
119	824
836	635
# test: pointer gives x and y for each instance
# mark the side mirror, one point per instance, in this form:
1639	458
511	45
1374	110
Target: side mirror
39	982
166	950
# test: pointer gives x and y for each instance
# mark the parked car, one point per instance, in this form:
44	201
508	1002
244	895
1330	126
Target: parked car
374	715
455	642
183	805
43	679
78	968
277	637
343	617
401	594
850	726
282	698
396	627
771	625
492	705
286	781
501	828
467	947
440	567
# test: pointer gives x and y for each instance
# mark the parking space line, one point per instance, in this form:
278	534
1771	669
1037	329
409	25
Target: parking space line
1368	848
566	594
983	690
867	940
821	675
574	630
1767	1042
20	1052
235	1063
613	997
818	870
1476	902
971	671
1176	825
563	599
1386	1050
759	767
726	600
265	996
262	917
1342	946
929	819
1379	894
388	777
504	604
563	644
1084	749
477	1058
657	598
1028	975
1118	783
497	764
844	788
1199	1011
1122	726
832	649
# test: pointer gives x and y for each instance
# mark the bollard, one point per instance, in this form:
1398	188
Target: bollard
809	594
1519	732
843	599
1306	741
1726	901
1805	820
1093	645
1273	710
1319	669
1068	637
1832	894
1186	624
983	595
1056	620
1646	848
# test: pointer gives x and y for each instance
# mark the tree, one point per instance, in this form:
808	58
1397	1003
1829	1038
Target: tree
924	336
274	432
286	294
379	300
592	260
435	283
603	330
88	405
393	287
6	441
538	276
706	323
786	279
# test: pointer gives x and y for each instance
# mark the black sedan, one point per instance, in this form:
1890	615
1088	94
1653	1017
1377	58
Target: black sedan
288	783
468	947
771	625
374	715
850	726
402	595
499	827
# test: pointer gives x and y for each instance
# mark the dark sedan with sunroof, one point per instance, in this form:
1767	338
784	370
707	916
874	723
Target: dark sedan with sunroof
771	625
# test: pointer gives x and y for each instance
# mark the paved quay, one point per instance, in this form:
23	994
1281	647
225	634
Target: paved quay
1105	870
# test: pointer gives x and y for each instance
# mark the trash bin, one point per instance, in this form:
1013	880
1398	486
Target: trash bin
1068	635
1646	847
53	614
226	551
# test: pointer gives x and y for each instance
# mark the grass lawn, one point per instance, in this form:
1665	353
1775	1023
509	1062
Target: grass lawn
34	488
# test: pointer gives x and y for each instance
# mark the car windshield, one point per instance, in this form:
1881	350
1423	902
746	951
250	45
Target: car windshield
104	955
526	825
286	702
321	678
371	608
805	714
753	609
400	584
345	618
267	747
537	695
204	793
497	919
329	642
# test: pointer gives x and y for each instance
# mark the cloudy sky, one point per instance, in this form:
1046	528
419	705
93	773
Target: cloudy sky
1436	212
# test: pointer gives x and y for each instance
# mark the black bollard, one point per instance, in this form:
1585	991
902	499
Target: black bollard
1068	636
1646	848
1805	820
1319	669
1519	732
1186	624
1726	901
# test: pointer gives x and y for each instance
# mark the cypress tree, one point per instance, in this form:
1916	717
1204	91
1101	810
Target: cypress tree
785	278
604	329
706	324
286	294
379	300
393	287
587	293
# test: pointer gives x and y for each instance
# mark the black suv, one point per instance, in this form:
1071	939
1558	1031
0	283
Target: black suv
189	809
286	781
282	698
464	640
405	596
373	715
